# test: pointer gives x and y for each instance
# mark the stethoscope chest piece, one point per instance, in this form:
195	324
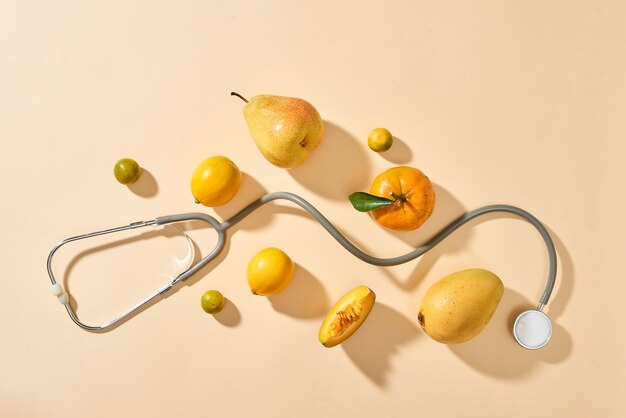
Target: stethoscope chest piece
532	329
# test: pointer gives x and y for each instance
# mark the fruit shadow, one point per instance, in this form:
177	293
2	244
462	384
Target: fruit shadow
340	156
272	209
447	209
371	347
146	185
265	214
399	153
229	315
249	191
305	297
496	353
164	232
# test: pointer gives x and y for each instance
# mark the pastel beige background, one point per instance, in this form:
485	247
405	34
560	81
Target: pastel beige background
498	102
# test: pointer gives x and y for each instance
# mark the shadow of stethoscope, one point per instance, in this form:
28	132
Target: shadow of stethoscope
532	328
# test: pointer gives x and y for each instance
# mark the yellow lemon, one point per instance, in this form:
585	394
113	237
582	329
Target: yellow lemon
269	272
380	140
215	181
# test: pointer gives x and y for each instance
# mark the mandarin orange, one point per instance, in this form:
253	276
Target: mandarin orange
413	196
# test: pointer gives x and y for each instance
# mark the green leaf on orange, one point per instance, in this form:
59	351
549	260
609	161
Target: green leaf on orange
365	202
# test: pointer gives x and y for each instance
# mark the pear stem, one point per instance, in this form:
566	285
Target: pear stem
232	93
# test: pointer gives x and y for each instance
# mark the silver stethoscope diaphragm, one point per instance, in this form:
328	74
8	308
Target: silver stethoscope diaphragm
532	329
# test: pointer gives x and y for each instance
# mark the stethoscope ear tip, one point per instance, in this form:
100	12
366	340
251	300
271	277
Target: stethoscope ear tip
532	329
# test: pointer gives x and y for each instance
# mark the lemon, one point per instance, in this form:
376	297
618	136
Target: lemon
215	181
269	272
212	301
380	140
126	171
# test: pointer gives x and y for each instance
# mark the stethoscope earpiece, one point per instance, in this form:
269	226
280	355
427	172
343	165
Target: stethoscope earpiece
532	329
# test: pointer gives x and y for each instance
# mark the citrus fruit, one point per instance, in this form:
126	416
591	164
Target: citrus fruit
412	194
380	140
126	171
269	272
215	181
212	301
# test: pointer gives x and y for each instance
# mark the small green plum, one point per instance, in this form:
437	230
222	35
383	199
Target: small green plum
212	301
380	140
127	171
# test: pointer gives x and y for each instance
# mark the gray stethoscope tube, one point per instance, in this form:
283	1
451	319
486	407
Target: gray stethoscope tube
526	330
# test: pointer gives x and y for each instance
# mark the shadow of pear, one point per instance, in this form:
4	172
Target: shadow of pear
371	347
496	353
338	167
305	297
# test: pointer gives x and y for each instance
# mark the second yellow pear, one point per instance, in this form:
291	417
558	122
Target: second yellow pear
285	129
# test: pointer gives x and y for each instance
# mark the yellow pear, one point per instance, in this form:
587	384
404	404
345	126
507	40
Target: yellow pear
457	308
285	129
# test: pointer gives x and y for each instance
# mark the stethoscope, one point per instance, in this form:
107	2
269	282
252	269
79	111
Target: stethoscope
532	328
